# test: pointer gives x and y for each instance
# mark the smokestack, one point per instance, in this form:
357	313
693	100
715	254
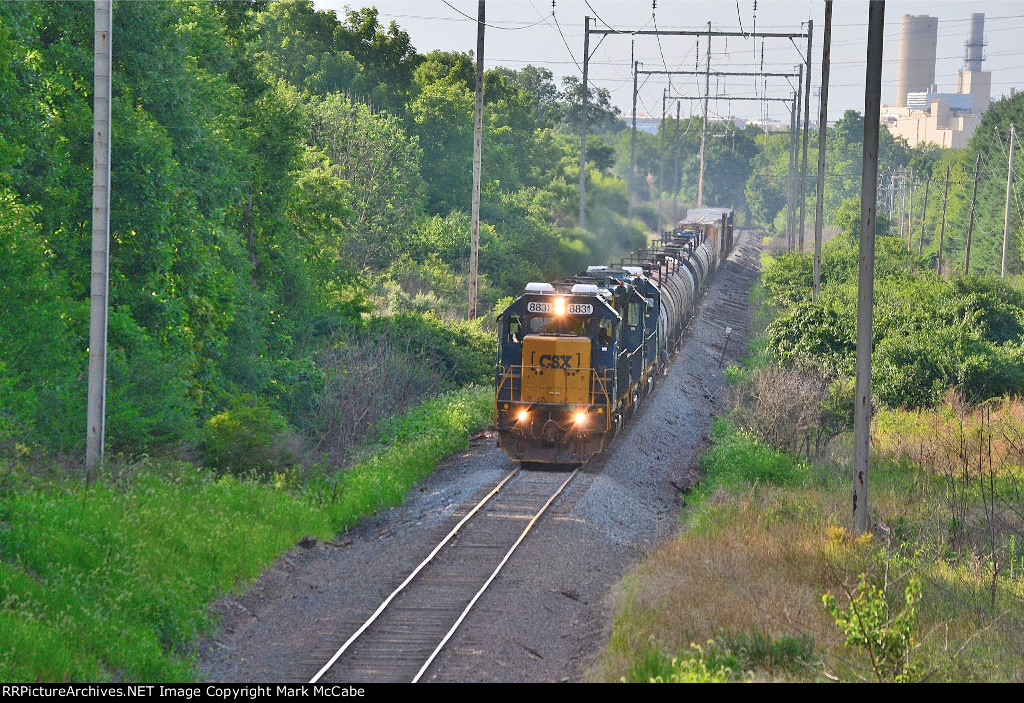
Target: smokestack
916	70
975	44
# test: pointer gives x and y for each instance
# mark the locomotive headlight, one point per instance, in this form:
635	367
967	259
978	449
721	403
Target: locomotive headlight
523	415
580	418
559	306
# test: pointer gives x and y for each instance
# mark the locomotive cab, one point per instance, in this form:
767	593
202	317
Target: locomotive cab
556	373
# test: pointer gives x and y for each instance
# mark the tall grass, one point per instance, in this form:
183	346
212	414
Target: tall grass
111	580
766	539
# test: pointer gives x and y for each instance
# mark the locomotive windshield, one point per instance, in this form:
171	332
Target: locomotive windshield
557	324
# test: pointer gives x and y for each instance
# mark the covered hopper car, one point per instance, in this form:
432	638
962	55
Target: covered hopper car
577	355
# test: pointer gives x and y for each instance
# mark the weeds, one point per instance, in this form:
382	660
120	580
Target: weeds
111	579
887	640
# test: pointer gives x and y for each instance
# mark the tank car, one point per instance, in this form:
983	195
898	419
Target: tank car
577	355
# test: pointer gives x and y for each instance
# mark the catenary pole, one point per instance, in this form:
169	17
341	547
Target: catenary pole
909	223
583	125
970	222
866	273
100	273
661	154
819	209
924	217
807	114
704	122
791	177
1006	216
478	125
942	228
675	168
632	156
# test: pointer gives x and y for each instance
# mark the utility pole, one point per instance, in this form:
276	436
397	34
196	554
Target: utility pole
910	215
100	275
901	207
478	126
807	114
632	155
796	150
1006	217
583	125
942	229
924	217
866	273
791	176
970	222
675	168
661	154
704	123
819	210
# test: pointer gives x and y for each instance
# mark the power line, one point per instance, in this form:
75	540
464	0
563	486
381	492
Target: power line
492	26
555	18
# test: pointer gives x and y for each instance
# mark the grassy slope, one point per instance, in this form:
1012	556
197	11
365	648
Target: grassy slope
110	580
741	590
738	595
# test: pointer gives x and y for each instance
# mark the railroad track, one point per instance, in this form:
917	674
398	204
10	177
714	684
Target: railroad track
403	636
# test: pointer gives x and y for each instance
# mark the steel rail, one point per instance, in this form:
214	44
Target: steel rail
387	601
493	575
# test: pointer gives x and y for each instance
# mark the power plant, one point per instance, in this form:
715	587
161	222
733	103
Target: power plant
922	113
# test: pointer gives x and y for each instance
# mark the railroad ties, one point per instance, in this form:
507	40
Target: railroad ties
398	644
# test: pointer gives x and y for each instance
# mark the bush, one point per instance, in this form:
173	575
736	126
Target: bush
248	437
737	456
786	407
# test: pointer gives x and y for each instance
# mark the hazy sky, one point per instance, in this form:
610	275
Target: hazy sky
523	32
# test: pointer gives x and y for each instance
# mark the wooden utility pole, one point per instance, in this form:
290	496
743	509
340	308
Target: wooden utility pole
807	114
924	217
704	122
583	125
819	209
970	222
478	126
100	276
1006	216
632	156
942	229
866	274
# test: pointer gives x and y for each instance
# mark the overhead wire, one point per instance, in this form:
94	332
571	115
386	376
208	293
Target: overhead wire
486	24
562	35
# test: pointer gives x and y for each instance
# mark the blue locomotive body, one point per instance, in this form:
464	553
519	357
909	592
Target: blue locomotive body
576	356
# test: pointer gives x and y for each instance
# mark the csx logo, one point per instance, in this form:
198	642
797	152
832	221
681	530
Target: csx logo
554	361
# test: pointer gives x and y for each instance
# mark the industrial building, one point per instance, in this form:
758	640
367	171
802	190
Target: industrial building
922	113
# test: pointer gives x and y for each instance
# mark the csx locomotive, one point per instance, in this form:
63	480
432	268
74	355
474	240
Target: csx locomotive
576	356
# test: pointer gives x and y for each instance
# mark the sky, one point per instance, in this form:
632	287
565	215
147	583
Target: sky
522	32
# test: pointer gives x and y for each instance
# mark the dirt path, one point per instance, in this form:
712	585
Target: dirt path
545	617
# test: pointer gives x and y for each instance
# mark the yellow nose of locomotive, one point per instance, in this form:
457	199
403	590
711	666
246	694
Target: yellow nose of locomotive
556	369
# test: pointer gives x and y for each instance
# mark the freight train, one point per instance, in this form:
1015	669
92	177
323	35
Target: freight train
576	356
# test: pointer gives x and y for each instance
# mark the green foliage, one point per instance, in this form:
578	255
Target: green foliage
461	350
886	639
245	438
757	649
380	165
109	581
112	580
738	457
694	666
930	333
